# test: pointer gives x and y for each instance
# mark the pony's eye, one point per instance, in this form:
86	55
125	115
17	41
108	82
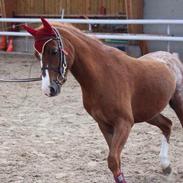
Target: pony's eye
54	51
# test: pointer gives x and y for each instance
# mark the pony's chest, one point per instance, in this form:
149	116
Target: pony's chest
94	110
98	115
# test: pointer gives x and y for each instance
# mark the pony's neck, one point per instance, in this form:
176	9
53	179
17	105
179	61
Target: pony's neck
86	57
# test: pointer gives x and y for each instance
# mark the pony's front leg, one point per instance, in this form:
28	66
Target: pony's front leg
121	131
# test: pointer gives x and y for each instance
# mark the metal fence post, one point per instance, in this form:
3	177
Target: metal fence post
168	34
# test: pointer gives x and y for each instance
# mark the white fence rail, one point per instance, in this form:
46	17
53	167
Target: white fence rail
147	37
111	36
97	21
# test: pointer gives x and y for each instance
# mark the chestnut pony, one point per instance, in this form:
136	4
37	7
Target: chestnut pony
118	90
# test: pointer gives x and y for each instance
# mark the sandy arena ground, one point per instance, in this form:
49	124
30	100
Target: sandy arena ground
53	140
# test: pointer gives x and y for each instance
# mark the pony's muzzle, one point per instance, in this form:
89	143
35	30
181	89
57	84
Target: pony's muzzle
54	89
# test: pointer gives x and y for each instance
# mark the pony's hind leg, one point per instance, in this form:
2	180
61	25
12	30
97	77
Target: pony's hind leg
165	125
176	103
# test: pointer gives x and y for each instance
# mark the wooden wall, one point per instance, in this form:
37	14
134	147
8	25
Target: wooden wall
77	8
71	7
6	10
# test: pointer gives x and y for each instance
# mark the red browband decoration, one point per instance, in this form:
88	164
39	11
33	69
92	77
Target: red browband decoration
41	35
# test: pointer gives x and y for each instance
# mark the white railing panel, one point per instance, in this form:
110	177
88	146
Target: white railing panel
147	37
95	21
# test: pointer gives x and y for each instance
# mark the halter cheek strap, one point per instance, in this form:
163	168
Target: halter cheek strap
65	52
62	56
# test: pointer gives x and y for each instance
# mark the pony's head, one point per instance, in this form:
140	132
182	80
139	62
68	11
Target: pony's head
49	49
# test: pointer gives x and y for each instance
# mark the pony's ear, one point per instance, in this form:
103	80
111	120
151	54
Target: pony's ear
46	24
29	29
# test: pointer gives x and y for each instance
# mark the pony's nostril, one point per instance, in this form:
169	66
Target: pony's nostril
54	89
53	92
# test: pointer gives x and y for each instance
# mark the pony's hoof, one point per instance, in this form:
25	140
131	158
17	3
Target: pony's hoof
167	170
120	178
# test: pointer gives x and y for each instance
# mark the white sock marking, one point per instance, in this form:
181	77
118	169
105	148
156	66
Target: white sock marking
164	160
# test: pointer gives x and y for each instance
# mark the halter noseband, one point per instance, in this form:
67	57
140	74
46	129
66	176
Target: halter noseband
62	58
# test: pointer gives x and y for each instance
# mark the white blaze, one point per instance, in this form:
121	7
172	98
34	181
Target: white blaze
164	160
45	81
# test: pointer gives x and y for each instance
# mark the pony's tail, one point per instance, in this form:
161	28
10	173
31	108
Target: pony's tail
176	55
179	70
176	101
